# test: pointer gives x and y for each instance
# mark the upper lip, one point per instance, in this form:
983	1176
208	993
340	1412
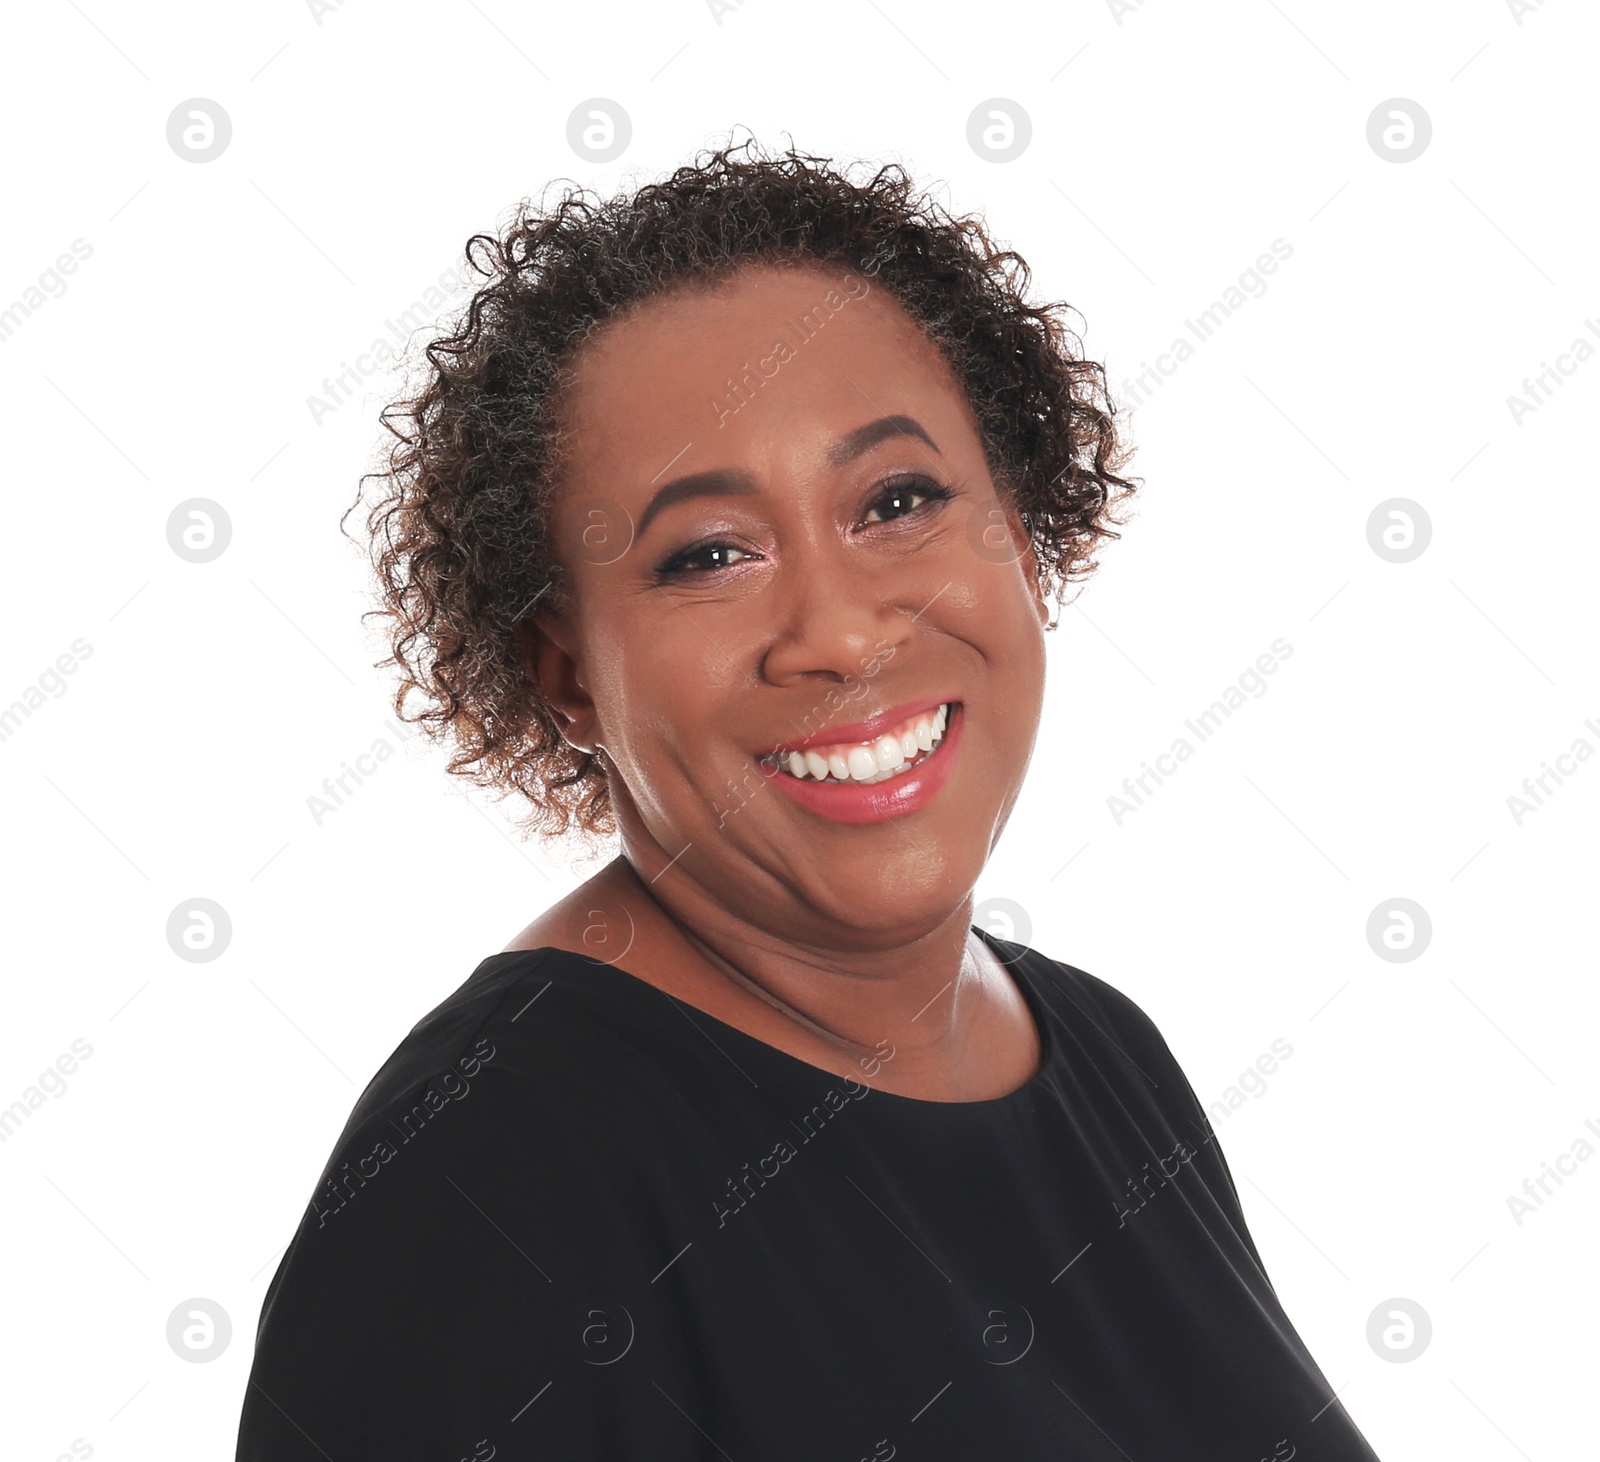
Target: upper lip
868	730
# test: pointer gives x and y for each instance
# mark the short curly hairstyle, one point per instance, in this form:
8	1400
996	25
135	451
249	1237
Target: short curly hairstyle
459	535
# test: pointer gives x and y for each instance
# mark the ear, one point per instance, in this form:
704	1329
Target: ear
1041	605
551	653
1028	562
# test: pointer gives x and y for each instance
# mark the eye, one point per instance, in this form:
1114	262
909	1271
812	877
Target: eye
702	558
904	496
901	498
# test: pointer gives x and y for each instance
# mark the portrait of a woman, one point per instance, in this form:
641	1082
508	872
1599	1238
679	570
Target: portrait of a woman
728	524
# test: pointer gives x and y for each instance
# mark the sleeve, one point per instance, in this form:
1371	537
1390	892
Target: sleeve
1175	1101
1221	1176
468	1281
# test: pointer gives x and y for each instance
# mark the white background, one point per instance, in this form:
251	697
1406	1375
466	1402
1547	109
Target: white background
1170	146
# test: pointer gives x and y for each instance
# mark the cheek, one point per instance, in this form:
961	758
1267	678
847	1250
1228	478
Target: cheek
996	604
696	656
993	610
666	688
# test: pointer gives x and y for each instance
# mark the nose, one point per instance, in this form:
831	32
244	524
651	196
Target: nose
837	613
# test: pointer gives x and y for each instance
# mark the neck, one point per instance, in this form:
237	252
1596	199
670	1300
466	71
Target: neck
925	995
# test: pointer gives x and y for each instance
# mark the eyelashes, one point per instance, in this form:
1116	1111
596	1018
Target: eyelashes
901	488
898	497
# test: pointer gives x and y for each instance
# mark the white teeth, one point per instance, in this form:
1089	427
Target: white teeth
862	763
888	754
876	762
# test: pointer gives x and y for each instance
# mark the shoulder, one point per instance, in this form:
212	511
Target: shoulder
480	1191
448	1046
509	1098
1099	1024
1079	998
552	1056
531	1035
1103	1029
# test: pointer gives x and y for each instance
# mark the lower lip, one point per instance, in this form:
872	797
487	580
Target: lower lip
859	802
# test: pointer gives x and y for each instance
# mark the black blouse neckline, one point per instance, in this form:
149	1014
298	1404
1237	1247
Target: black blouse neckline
1014	957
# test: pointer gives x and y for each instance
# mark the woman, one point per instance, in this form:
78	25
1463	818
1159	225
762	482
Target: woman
727	521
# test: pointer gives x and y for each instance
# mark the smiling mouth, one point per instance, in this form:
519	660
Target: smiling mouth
900	750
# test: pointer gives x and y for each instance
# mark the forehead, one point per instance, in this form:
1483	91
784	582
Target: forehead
775	363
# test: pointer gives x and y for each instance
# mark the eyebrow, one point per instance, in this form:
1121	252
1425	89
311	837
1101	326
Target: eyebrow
729	482
865	438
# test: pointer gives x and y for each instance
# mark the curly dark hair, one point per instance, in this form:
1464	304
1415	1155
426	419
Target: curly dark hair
459	537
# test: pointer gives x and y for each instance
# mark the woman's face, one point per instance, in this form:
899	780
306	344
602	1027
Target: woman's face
777	521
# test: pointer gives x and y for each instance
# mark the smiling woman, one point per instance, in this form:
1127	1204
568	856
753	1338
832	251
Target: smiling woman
790	652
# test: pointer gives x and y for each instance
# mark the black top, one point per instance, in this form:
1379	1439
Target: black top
574	1217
